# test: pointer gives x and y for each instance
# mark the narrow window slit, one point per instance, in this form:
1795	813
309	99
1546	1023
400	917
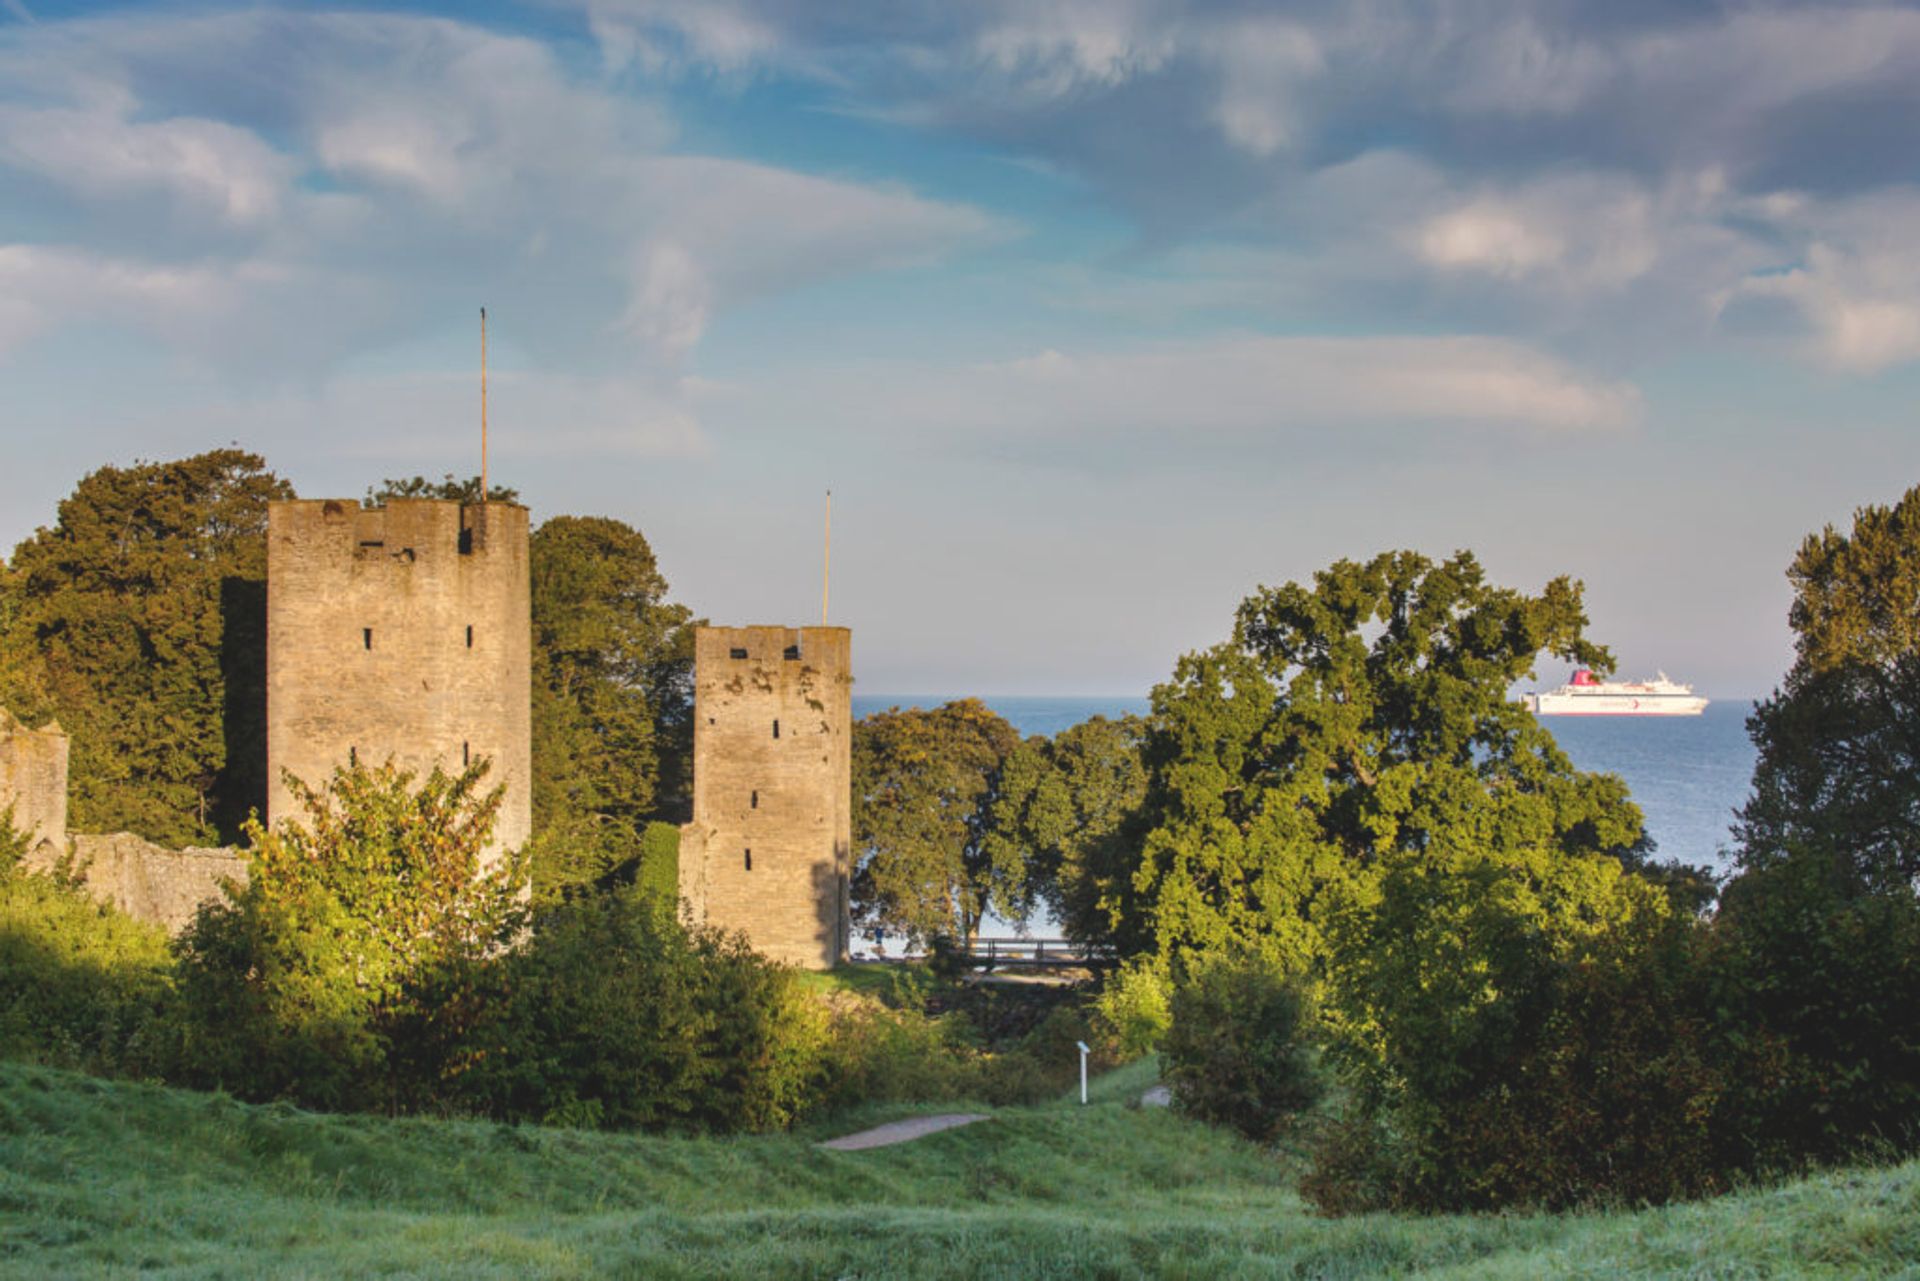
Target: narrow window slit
749	860
469	635
776	729
366	637
753	801
466	755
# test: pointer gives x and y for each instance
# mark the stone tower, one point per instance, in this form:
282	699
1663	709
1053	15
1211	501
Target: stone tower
768	848
33	783
400	632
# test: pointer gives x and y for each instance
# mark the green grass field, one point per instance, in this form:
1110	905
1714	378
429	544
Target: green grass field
101	1177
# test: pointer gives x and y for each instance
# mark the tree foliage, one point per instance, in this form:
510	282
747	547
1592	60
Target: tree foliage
1353	731
925	784
81	984
612	698
448	487
1065	808
143	611
1837	773
1238	1050
302	981
1821	927
614	1015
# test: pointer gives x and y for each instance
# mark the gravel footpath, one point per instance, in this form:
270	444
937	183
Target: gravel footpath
901	1131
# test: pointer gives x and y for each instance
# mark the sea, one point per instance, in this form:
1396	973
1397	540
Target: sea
1687	773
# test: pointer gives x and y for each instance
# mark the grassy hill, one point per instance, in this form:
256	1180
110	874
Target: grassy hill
108	1177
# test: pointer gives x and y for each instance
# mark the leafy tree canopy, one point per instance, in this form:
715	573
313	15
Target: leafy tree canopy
306	974
925	785
138	620
1065	807
1354	730
612	698
1838	770
448	487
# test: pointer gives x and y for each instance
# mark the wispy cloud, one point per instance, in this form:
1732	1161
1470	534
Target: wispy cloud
1246	387
406	163
1589	169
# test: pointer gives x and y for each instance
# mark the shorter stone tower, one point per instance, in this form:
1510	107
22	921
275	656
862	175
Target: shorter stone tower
400	632
767	852
33	782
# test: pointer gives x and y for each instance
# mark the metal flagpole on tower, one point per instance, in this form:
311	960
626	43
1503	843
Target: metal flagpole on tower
483	404
826	561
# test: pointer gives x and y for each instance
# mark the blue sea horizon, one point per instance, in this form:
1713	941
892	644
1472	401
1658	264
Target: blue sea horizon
1688	774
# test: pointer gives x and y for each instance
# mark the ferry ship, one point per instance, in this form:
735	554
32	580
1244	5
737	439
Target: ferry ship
1585	696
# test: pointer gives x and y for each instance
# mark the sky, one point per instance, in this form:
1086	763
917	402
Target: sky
1094	315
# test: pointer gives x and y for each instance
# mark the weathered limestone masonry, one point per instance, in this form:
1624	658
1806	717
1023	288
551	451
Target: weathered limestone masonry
400	632
136	876
33	780
767	851
152	883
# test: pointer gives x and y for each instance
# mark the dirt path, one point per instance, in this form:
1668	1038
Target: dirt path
901	1131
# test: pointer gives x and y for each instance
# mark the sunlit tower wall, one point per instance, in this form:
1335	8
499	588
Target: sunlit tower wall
403	633
767	850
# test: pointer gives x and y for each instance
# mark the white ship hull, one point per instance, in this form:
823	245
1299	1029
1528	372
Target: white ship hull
1557	704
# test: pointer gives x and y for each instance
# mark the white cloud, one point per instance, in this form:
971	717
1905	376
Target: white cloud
1266	66
1863	309
1491	236
42	286
1855	284
417	163
713	34
207	165
1577	232
1051	51
1252	385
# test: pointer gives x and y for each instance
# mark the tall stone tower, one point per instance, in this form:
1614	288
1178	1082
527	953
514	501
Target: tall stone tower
400	632
767	852
33	784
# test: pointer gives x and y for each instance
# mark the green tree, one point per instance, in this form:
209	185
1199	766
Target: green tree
447	487
299	986
81	984
1837	773
1820	930
612	698
1066	808
143	612
1350	727
615	1015
924	788
1237	1050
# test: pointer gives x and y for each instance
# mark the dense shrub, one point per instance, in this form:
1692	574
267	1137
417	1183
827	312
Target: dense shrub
1237	1053
658	873
615	1015
980	1043
878	1052
1608	1087
1829	973
1132	1012
81	985
298	987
